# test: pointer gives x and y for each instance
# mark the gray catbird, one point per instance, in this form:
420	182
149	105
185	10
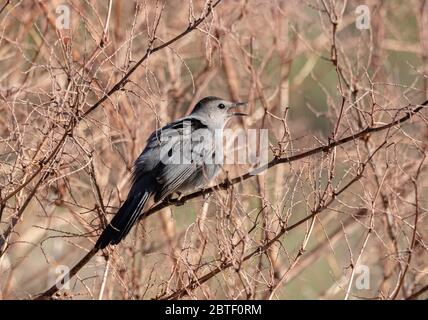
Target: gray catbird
182	156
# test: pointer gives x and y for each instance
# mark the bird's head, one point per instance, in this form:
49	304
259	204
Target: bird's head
216	112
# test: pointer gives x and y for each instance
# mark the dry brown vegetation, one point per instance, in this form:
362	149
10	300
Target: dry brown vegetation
345	192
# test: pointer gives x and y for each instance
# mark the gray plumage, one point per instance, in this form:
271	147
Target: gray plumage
177	159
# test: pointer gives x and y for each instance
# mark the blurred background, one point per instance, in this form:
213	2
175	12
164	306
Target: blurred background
313	72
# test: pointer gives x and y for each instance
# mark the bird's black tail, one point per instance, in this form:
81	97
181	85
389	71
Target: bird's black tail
124	219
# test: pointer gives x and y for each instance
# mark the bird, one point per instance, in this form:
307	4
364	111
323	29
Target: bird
180	157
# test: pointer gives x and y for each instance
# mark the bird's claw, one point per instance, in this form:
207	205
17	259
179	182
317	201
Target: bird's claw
175	201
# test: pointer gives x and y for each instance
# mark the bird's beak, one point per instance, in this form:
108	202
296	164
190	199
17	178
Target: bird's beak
236	105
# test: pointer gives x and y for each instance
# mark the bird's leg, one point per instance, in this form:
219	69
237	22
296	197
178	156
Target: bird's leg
179	201
206	195
169	199
175	201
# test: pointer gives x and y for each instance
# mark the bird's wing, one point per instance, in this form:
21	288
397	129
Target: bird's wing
158	141
188	154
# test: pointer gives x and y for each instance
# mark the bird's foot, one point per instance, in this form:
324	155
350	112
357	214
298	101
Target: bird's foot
205	194
175	201
179	201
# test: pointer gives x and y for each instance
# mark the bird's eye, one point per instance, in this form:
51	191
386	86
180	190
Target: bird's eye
221	106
